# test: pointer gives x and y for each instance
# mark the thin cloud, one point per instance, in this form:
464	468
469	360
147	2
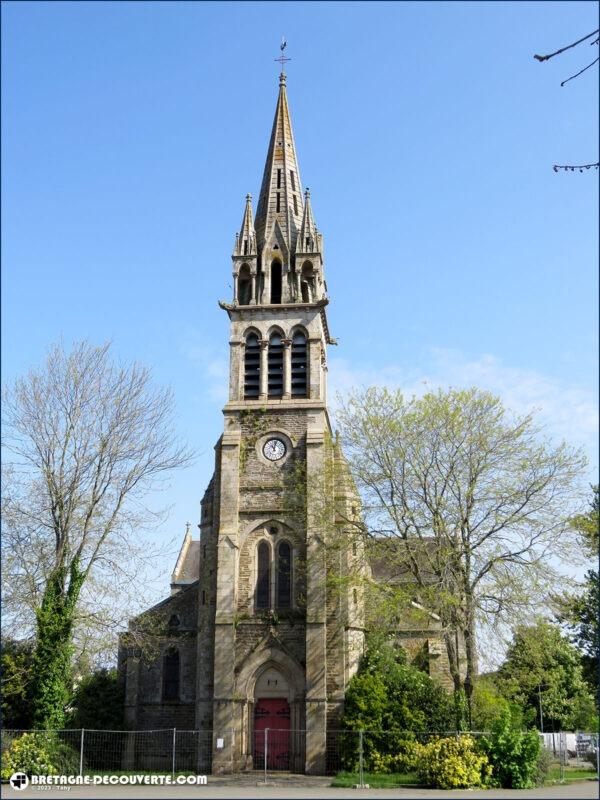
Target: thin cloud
567	411
211	359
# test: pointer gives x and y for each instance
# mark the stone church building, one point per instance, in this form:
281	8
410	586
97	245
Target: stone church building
252	636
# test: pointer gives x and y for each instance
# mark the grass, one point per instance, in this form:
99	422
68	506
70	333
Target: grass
571	774
346	780
376	780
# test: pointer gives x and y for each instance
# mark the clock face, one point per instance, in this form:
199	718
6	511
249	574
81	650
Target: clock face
274	449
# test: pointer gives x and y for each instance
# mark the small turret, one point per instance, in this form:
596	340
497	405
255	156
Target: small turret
309	283
309	239
245	259
245	241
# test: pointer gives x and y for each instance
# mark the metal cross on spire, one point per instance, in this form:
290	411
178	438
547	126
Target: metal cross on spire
282	59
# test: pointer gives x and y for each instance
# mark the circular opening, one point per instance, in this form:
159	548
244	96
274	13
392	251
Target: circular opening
273	530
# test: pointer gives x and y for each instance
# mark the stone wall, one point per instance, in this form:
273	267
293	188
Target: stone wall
170	624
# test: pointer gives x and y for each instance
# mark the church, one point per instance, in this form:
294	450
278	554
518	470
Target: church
252	636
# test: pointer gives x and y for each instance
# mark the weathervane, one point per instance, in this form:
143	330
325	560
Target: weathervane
282	59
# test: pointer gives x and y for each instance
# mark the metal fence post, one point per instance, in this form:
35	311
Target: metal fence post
173	758
563	741
265	749
81	752
361	781
597	740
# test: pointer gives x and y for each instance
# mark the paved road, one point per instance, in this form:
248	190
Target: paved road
310	788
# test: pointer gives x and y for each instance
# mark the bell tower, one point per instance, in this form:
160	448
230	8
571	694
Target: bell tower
278	279
273	649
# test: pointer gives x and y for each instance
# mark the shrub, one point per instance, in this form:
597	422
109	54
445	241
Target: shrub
64	757
512	753
30	753
39	753
452	764
404	758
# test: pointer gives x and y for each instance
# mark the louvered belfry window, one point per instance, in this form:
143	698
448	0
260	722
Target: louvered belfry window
263	576
284	575
299	365
252	367
275	362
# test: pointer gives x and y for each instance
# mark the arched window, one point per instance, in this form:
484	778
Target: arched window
252	367
284	576
307	282
275	362
276	282
299	365
171	674
263	576
244	286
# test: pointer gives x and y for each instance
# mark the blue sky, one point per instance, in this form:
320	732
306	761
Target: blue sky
131	133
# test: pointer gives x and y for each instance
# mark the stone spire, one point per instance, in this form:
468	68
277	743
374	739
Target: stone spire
280	202
245	241
308	241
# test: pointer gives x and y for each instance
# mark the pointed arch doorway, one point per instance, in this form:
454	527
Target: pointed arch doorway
272	721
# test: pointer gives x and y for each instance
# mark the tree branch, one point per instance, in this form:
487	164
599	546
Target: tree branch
568	47
577	74
573	167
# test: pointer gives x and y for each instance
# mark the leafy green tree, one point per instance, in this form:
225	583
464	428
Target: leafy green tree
17	660
581	611
89	438
389	695
542	672
391	701
464	501
97	702
488	703
366	703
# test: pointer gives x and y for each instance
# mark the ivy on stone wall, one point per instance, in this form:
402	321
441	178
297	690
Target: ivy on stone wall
254	425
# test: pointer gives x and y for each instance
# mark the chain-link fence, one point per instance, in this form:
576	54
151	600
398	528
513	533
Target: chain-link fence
167	751
568	752
270	750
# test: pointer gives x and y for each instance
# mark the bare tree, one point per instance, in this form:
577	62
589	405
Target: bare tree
89	439
466	505
595	42
119	586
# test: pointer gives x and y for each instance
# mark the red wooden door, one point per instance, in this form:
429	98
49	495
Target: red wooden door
274	714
